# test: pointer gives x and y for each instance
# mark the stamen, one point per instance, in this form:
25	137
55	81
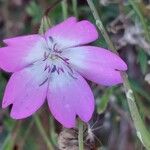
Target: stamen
55	49
51	39
64	59
46	56
60	69
53	55
47	67
72	75
44	82
53	69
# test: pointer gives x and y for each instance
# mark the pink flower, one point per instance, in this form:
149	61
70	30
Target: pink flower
51	67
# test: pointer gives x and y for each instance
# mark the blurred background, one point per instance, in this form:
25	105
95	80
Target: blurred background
111	128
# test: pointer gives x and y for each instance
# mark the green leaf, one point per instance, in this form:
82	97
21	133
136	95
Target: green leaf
142	59
103	101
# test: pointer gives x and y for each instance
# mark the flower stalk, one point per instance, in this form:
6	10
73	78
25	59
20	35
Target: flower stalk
141	130
80	135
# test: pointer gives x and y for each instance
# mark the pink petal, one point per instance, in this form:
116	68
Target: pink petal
25	92
70	96
71	33
21	51
96	64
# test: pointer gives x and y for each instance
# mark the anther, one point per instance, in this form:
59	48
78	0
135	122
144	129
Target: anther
46	56
53	69
51	39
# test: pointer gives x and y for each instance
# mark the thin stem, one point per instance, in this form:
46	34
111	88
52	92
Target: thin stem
42	131
26	134
7	141
141	130
64	9
100	25
80	135
52	131
11	138
74	6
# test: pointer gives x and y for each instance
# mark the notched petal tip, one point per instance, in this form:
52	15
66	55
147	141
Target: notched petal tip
122	66
73	18
69	125
6	42
90	28
16	116
86	117
5	104
67	122
116	80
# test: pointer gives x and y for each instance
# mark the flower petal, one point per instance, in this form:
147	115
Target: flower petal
25	92
21	51
71	33
68	96
96	64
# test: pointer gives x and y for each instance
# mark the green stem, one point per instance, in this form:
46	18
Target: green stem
52	131
74	6
7	141
135	6
64	9
11	138
42	131
26	134
80	135
45	24
141	130
100	25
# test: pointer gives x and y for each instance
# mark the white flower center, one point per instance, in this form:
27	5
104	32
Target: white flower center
54	62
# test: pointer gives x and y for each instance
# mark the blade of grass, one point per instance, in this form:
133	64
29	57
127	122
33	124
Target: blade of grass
22	143
43	133
103	101
64	6
52	131
74	6
11	138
